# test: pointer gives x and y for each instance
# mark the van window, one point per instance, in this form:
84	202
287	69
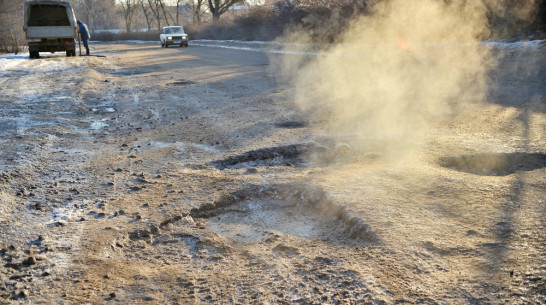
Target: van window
48	15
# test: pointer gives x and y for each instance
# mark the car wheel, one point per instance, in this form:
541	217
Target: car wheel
162	45
68	53
166	45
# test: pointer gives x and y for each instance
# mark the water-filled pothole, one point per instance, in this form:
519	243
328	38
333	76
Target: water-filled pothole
251	214
495	164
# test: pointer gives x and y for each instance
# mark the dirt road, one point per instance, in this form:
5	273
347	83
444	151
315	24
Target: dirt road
188	175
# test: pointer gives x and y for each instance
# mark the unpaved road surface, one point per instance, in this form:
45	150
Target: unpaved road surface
188	175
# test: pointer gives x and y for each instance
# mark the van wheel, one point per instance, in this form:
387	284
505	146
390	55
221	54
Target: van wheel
34	54
68	53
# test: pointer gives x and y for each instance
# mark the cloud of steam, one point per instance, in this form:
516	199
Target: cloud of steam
395	73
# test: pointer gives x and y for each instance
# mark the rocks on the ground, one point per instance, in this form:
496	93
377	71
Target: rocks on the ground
22	294
12	266
31	260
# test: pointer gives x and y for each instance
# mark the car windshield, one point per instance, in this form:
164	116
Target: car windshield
176	30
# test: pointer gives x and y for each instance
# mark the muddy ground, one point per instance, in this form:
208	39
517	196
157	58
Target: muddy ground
188	175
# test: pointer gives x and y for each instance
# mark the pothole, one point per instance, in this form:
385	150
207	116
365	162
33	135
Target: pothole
255	213
291	124
495	164
182	82
287	155
122	72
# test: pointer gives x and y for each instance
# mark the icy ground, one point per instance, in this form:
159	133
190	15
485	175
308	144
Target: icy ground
188	175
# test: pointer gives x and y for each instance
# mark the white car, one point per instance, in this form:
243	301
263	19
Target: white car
173	35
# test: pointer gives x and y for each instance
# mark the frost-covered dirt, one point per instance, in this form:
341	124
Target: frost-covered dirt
188	175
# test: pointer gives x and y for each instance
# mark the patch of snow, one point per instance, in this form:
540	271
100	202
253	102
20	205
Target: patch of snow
98	125
517	45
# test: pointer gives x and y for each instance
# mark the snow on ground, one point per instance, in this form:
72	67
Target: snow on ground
11	62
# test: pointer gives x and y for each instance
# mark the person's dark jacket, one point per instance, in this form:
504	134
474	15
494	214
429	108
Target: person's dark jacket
84	31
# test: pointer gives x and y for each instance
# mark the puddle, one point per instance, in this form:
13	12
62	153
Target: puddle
495	164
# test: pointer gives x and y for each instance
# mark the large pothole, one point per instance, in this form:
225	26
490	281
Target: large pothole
288	155
495	164
254	213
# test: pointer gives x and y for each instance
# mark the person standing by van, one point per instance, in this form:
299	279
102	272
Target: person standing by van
84	32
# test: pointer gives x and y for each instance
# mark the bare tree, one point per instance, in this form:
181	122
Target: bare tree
178	3
129	9
155	8
187	8
98	14
198	9
166	13
147	12
219	7
11	25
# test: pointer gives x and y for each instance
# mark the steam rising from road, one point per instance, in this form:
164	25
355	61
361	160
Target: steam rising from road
395	73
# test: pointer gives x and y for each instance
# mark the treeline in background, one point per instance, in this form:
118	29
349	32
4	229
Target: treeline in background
323	20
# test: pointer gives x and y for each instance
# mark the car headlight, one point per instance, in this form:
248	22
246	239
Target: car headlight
169	38
184	37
